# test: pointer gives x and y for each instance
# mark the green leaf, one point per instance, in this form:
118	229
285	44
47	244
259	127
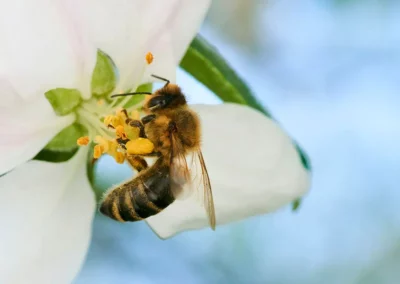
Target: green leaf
63	101
206	64
65	140
104	76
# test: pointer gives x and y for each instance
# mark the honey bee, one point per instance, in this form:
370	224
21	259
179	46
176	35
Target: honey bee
175	132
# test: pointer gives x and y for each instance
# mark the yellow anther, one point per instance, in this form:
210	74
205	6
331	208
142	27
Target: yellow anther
139	146
100	102
119	157
104	143
108	120
149	57
120	132
82	141
135	115
97	151
113	120
120	112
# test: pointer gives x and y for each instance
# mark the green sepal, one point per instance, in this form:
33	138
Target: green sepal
63	146
54	156
65	140
139	98
90	164
136	99
296	204
104	78
63	101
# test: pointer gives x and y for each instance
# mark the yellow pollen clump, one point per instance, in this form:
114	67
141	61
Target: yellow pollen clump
98	151
140	146
149	58
82	141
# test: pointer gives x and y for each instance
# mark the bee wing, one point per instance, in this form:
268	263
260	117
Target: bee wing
179	170
207	191
181	175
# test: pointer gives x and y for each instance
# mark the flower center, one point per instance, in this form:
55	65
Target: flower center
114	128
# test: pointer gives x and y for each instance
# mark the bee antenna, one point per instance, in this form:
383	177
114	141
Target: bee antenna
162	79
131	94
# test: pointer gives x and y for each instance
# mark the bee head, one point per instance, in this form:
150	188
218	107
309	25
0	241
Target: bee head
168	97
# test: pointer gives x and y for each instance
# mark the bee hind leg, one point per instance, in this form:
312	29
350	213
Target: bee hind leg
137	163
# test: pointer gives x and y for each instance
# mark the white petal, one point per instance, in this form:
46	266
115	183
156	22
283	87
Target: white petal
46	215
42	47
25	130
185	24
164	63
8	95
170	42
253	166
115	29
129	30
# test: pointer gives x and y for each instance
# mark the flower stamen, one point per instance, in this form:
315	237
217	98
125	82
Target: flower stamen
114	129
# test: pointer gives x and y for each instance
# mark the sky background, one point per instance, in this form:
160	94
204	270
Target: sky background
329	72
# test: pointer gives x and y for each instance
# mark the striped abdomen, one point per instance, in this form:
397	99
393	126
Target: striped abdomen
144	196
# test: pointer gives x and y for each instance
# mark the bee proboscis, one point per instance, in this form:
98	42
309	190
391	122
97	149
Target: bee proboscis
175	131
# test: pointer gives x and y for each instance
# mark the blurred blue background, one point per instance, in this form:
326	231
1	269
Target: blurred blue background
329	72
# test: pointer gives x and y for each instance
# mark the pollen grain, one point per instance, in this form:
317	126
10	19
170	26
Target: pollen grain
82	141
149	57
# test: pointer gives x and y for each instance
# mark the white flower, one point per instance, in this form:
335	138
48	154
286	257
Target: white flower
47	208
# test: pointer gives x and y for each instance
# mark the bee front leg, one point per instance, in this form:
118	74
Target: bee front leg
138	124
148	118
